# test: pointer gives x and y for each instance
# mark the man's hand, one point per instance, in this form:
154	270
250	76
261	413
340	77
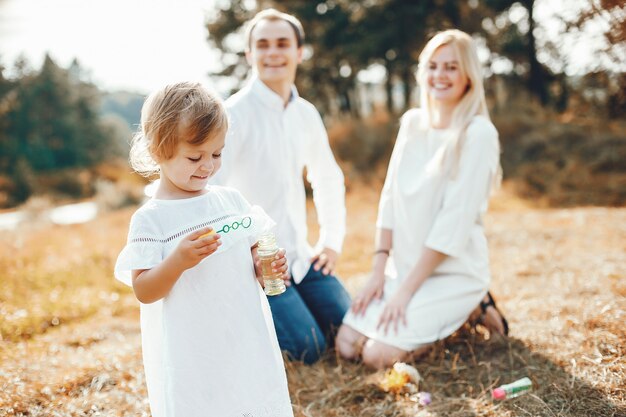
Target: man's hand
326	260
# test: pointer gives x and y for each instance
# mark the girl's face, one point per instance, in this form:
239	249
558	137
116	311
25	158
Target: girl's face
446	82
187	173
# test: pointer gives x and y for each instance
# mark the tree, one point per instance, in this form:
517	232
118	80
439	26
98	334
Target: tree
348	36
517	42
612	13
49	120
345	37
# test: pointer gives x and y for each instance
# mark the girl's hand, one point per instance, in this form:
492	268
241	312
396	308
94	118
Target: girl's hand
279	266
195	247
395	311
372	290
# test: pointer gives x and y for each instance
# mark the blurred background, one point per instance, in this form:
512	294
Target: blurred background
73	76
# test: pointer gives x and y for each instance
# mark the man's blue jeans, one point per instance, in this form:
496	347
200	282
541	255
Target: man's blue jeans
307	315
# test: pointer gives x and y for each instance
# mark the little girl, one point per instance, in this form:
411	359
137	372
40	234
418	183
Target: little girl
209	345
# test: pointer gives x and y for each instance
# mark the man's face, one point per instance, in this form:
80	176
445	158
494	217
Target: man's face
274	52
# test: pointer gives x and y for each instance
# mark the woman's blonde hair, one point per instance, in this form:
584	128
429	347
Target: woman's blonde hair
472	102
184	111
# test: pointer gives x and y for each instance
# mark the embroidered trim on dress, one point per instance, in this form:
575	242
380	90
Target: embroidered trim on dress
182	232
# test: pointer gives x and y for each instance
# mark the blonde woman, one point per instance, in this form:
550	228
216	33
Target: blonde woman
431	262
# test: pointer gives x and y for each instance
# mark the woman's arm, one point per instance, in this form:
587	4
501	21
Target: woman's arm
374	287
151	285
424	268
383	245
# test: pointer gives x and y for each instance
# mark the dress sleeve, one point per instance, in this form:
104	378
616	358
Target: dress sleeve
143	250
466	193
327	182
385	218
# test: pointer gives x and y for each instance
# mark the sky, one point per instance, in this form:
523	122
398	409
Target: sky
139	45
135	45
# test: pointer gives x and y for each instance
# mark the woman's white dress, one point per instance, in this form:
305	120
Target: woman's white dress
209	346
424	208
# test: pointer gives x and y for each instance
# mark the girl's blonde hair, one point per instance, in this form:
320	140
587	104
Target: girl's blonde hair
472	103
178	112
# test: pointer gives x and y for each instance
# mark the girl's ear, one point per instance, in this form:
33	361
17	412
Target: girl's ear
249	57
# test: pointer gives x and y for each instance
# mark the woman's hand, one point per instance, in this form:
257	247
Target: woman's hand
395	310
372	290
196	246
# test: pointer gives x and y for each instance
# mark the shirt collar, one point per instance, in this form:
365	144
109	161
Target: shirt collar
268	96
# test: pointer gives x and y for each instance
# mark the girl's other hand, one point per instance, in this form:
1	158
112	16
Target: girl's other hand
196	246
372	290
279	266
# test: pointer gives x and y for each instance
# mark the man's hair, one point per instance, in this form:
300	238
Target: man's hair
273	15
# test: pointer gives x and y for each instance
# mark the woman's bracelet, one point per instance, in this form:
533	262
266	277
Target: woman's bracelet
385	251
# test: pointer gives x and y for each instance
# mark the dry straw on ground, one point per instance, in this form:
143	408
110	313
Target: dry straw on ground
71	338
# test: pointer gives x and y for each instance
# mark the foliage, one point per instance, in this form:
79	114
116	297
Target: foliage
49	120
345	37
565	164
363	145
568	162
611	13
125	105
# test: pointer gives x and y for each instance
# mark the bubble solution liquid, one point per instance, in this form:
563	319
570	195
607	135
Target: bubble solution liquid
267	250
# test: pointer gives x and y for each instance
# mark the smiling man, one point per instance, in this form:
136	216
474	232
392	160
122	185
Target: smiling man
274	134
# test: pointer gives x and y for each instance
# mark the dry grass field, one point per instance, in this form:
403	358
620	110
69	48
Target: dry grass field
70	334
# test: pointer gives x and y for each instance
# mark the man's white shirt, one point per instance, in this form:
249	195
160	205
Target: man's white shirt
267	148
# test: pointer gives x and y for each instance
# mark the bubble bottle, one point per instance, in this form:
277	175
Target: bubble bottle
267	250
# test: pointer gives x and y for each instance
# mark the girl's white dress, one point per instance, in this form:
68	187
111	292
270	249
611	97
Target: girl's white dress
424	208
209	346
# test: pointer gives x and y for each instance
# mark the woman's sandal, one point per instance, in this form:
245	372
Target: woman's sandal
483	308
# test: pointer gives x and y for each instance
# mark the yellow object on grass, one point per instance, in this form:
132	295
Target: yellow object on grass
400	377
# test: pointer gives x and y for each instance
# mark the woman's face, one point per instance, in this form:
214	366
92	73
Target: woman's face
446	82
